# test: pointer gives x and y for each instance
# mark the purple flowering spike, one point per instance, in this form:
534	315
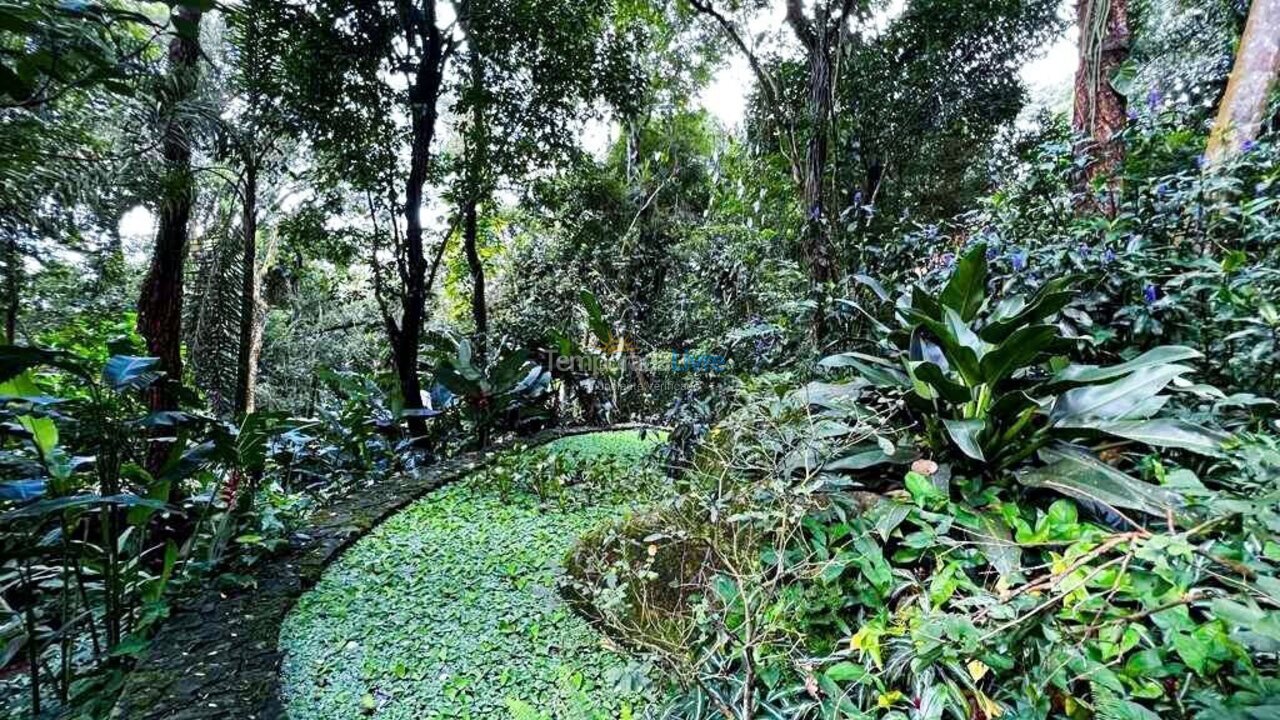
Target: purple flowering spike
1109	256
1150	293
1153	99
1247	145
1019	260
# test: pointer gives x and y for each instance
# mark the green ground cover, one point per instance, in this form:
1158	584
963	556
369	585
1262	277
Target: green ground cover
450	609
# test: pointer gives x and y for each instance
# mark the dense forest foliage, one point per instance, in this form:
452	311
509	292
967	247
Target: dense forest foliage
963	397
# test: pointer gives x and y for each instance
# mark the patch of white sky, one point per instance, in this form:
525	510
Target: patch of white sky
1047	78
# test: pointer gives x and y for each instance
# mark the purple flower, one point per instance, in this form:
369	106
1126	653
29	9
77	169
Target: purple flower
948	259
991	253
1150	293
1153	99
1019	260
1161	190
1132	114
1247	145
1083	250
815	212
1201	160
1108	256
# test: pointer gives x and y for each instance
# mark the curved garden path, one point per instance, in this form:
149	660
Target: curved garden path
218	656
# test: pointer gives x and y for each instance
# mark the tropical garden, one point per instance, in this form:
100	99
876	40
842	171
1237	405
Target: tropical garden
613	359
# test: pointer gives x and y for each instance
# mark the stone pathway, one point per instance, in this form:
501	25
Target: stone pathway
218	655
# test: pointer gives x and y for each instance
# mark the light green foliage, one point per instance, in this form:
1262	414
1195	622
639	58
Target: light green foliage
450	609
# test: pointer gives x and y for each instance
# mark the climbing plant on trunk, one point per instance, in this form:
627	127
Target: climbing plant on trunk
1099	108
160	301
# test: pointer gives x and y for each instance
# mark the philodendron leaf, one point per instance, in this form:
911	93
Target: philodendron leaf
1076	473
1164	432
127	371
965	434
1164	355
1119	400
967	287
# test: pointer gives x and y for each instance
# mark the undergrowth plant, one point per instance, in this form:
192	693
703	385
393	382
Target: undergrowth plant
896	544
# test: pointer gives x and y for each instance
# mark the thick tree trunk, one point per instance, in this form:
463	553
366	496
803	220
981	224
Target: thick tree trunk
1244	106
1099	109
160	301
423	95
479	310
250	327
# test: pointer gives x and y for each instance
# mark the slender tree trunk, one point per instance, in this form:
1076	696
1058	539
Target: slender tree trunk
247	369
424	92
1244	106
1099	109
160	302
479	310
816	247
12	283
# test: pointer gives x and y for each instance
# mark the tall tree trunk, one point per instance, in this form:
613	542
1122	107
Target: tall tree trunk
1099	109
160	301
424	92
250	334
817	236
1244	106
479	311
12	283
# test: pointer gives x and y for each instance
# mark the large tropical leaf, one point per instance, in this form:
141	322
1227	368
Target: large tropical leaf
878	371
1122	399
1074	472
1050	299
1164	432
129	372
967	287
938	383
965	434
44	433
1163	355
1016	352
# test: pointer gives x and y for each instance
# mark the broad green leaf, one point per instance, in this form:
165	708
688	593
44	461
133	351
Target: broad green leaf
1076	473
967	287
942	385
1163	355
846	671
1114	401
44	432
965	434
595	317
128	372
1016	352
878	371
1163	432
